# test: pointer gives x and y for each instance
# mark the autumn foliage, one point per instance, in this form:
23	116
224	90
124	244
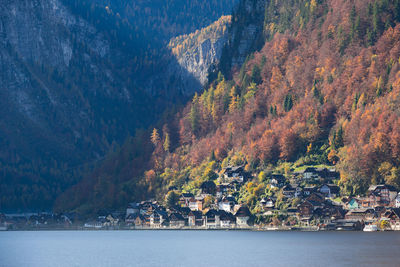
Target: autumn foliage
324	88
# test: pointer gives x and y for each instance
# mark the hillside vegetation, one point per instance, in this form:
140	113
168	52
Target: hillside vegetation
323	88
78	77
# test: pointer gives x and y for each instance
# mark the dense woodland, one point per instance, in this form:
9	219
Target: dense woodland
324	89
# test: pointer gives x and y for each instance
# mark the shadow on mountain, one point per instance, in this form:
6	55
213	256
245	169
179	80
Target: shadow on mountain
60	119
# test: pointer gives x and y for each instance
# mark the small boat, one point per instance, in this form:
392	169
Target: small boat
370	228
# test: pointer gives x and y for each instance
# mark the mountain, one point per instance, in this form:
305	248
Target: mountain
118	178
78	78
301	83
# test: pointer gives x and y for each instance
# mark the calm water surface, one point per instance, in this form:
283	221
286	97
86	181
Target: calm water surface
198	248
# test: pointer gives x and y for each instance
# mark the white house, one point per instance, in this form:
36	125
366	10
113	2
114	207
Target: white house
242	217
234	174
227	220
227	204
212	219
397	201
157	218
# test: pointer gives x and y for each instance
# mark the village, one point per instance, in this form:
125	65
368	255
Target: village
309	200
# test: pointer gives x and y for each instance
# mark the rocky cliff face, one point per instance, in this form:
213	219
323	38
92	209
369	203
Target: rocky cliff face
55	67
64	98
196	53
198	60
36	39
246	34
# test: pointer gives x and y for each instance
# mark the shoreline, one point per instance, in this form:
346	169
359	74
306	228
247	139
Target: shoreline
250	229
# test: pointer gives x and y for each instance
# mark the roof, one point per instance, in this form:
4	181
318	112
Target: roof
396	211
212	213
197	214
332	187
185	210
187	195
381	186
392	195
134	205
176	217
310	169
133	216
352	200
361	210
317	196
226	216
288	187
372	187
243	211
278	177
228	199
237	168
231	169
161	213
309	188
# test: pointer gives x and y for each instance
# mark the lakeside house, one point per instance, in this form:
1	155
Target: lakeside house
195	219
176	220
227	220
315	207
159	218
135	220
212	219
361	214
283	203
393	216
242	217
379	195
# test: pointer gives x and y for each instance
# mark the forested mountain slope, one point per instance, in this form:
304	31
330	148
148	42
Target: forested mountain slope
323	88
77	78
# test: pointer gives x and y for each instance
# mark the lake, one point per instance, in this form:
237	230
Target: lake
198	248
